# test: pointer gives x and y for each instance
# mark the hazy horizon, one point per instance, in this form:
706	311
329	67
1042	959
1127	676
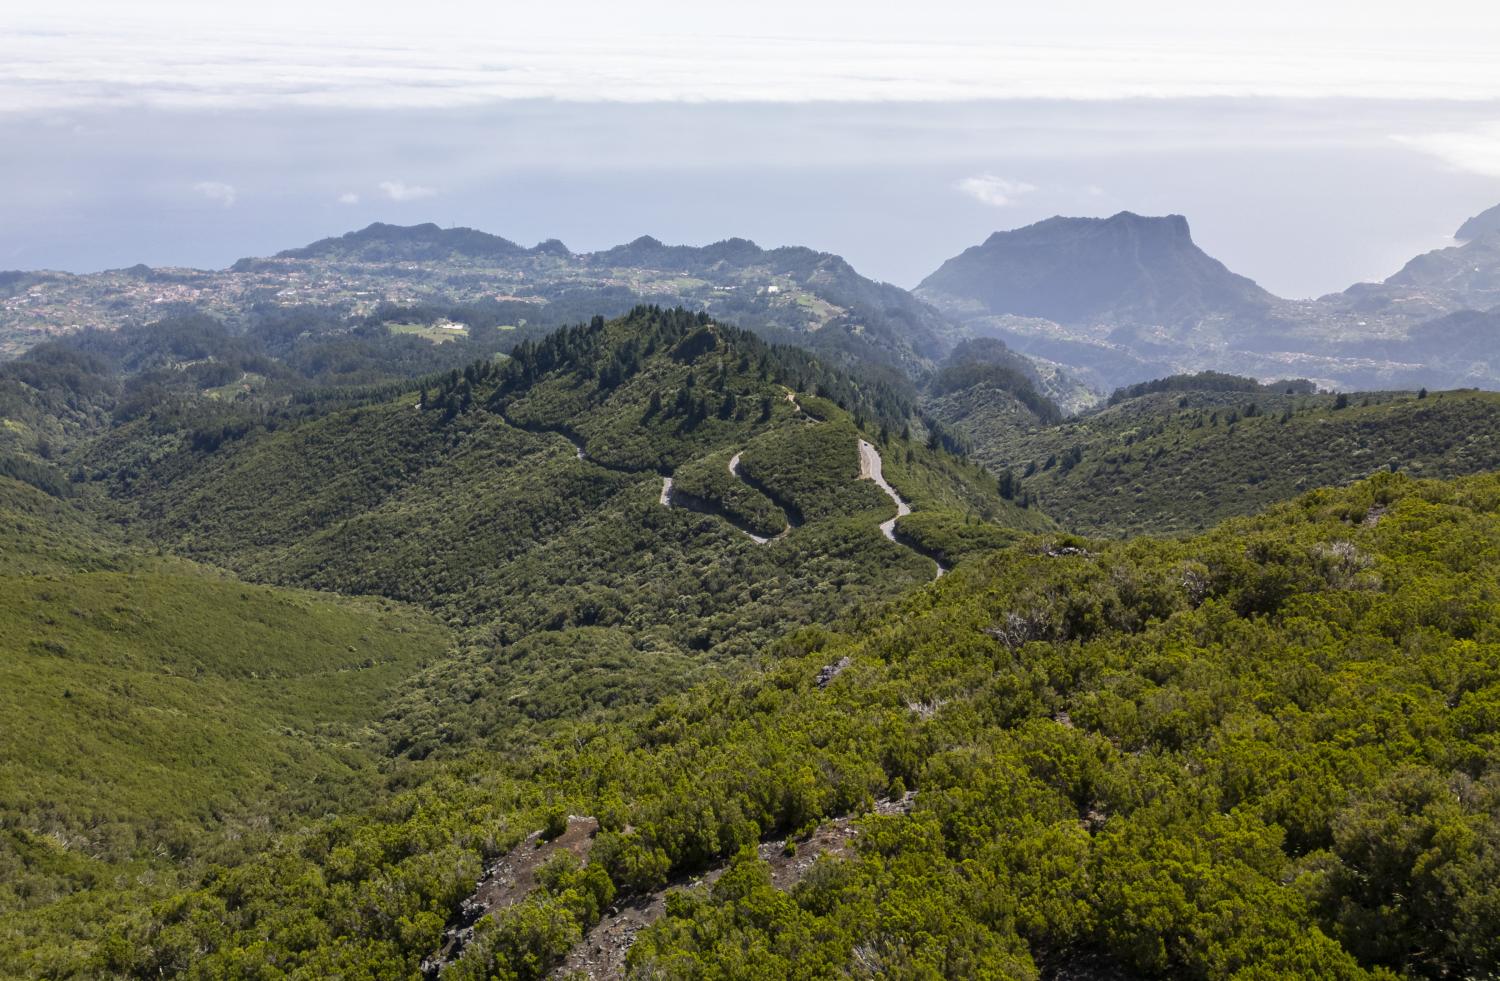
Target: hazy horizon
1304	197
1309	149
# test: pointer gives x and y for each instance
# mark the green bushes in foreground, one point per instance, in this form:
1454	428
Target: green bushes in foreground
1269	751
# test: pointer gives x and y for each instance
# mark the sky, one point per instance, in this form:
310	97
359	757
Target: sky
1309	144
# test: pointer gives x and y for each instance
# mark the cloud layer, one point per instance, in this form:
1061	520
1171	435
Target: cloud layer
1476	150
224	194
197	66
401	191
996	191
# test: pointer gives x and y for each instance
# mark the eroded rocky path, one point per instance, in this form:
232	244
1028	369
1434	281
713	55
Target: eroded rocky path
506	882
601	954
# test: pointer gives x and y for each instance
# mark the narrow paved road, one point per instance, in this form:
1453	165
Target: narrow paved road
667	499
870	469
670	499
734	468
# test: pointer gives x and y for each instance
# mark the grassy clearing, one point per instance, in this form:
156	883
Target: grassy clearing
439	333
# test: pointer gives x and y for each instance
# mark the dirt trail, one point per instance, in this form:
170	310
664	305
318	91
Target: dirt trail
505	883
600	955
870	469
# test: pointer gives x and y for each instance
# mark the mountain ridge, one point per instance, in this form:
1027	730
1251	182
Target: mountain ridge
791	294
1084	270
1123	299
380	241
1487	222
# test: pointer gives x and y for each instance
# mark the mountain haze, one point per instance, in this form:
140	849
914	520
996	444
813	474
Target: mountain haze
1485	223
1461	277
1083	271
1121	300
360	624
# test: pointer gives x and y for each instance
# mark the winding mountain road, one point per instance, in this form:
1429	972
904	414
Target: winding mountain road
870	468
734	468
668	497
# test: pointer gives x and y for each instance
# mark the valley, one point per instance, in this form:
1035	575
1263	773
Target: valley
965	540
1049	684
346	642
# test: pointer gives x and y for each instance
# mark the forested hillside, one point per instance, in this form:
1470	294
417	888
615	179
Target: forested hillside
1264	752
518	498
163	712
531	495
1180	454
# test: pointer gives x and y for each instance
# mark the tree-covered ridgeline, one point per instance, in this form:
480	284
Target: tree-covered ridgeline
1181	454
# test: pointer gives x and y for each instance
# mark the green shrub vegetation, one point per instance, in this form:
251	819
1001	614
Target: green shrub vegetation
1180	459
284	673
708	479
951	537
149	701
163	713
811	470
479	505
1265	752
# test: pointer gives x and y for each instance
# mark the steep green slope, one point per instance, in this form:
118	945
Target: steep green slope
41	535
984	395
147	701
985	414
1181	460
1265	752
528	496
